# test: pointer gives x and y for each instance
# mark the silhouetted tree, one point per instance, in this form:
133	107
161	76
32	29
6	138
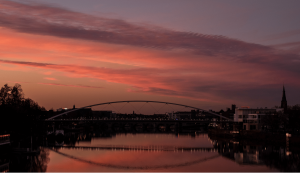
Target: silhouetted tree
5	95
16	111
17	95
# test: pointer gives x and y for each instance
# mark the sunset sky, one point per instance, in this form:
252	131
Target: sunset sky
204	53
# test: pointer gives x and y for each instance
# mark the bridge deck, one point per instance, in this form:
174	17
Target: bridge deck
140	148
137	120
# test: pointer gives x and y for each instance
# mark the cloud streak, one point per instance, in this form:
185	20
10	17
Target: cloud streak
150	80
150	59
58	22
50	78
173	83
80	86
54	21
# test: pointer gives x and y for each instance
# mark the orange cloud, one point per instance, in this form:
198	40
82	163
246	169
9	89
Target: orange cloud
47	73
49	78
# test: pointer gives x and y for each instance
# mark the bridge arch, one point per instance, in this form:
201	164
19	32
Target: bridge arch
166	166
141	101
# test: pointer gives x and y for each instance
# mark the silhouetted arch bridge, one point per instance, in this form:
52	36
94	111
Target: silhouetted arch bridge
134	101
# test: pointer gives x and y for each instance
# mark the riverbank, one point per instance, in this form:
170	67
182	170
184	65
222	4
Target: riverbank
256	137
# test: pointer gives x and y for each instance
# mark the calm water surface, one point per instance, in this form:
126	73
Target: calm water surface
157	153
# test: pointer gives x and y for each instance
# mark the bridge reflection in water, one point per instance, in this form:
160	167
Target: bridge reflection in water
161	148
164	166
139	148
187	157
164	152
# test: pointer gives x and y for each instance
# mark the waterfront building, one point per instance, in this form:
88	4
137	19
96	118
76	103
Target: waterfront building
251	118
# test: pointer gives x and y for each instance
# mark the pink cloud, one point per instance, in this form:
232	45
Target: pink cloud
80	86
173	83
49	78
19	82
52	21
47	73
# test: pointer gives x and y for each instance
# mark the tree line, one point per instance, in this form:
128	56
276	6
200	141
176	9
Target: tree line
17	112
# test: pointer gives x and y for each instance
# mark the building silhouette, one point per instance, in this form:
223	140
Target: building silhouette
251	118
283	101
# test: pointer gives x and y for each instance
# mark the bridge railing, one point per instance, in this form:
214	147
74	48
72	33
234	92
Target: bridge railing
115	119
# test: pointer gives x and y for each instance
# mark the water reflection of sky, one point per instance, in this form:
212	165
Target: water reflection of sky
187	161
151	139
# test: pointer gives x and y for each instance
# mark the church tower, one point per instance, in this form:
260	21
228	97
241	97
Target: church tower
283	100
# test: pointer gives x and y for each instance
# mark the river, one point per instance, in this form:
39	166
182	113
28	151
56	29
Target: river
190	152
151	152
